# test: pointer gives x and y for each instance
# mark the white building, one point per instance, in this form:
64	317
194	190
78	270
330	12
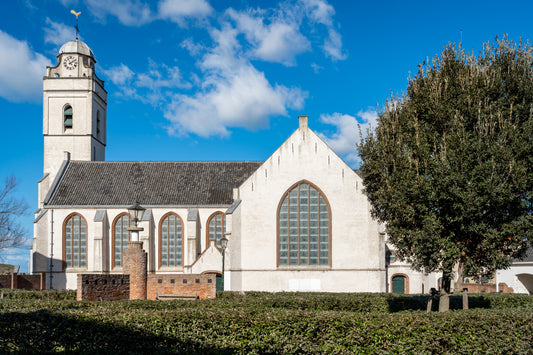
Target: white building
297	221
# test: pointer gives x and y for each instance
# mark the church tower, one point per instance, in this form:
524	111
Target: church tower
74	111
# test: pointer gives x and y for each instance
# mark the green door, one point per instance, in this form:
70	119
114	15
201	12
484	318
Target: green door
398	284
219	283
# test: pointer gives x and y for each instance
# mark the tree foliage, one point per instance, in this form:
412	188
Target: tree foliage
449	166
11	232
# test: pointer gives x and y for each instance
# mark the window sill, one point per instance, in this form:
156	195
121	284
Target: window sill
304	267
75	269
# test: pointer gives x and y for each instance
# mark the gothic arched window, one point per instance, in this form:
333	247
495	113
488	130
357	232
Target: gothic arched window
171	241
67	116
121	237
75	241
304	227
216	226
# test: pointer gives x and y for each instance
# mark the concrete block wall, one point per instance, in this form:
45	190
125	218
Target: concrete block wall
203	286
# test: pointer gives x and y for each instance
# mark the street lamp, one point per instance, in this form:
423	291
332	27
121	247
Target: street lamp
224	245
135	212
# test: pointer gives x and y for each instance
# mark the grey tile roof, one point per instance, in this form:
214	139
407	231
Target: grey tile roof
87	183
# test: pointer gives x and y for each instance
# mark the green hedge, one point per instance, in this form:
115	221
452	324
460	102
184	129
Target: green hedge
199	327
258	322
40	294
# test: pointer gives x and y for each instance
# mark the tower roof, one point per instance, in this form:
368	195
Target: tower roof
76	47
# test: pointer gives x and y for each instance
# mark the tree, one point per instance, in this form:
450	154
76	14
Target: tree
11	232
449	167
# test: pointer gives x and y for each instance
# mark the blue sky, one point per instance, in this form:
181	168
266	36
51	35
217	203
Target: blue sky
226	80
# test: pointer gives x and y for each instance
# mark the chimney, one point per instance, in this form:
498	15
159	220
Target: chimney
66	155
303	122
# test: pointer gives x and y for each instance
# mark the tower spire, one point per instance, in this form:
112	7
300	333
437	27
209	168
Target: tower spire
77	29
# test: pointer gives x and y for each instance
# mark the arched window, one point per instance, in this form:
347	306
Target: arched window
75	241
216	226
67	116
304	227
171	241
97	123
121	237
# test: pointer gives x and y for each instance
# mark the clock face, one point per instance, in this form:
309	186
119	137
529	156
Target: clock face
70	62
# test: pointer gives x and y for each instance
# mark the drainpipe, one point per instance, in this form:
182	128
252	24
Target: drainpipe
51	248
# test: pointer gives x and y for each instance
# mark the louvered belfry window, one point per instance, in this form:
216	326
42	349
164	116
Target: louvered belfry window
75	239
67	117
304	227
171	242
121	237
216	228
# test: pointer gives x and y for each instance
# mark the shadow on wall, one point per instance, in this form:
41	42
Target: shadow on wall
41	263
16	329
527	281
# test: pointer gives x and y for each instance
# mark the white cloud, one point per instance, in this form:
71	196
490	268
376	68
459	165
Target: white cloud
234	93
179	10
346	137
279	41
58	33
17	58
152	86
138	13
321	12
128	12
119	75
333	46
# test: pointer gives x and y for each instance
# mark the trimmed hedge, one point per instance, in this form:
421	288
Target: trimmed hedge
38	294
126	327
266	323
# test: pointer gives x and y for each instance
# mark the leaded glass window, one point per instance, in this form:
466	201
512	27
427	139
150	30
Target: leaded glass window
303	229
75	239
216	228
121	237
171	242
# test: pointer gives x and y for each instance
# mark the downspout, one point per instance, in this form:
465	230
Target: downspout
51	248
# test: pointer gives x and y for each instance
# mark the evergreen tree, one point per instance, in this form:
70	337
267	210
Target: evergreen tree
449	168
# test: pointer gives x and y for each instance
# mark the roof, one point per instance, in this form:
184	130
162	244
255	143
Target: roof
90	183
76	47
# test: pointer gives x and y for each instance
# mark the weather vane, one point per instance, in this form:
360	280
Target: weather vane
77	14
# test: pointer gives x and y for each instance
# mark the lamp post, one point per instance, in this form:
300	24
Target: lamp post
224	245
135	212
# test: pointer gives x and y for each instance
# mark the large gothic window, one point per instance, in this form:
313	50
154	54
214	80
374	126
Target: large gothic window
216	226
67	116
304	223
171	241
75	241
121	237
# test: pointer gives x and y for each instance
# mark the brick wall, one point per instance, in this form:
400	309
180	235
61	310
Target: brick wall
23	281
502	286
203	286
479	288
103	287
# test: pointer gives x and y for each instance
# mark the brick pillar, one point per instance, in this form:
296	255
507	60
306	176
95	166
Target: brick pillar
135	262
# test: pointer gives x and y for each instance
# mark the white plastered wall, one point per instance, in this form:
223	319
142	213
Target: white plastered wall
355	242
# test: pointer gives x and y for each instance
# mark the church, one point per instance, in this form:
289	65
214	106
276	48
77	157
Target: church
298	221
